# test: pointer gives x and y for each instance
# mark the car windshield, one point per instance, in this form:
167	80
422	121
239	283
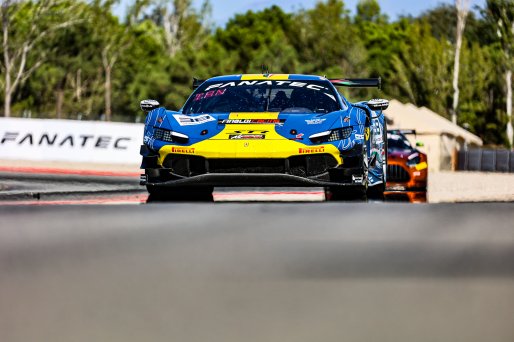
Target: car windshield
398	142
263	96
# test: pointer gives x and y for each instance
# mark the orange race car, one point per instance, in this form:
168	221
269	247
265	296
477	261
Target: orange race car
407	167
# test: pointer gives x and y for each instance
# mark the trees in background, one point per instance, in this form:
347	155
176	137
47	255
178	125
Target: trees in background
462	7
25	26
500	16
75	59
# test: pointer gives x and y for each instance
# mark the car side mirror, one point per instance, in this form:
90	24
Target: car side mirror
149	105
378	104
419	144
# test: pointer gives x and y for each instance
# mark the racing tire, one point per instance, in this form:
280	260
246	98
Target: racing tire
355	193
376	192
189	194
342	194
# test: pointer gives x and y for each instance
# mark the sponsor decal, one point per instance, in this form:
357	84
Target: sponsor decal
315	121
243	131
214	88
209	94
298	137
251	121
183	150
71	140
266	83
357	179
246	136
359	136
366	133
186	120
311	150
54	139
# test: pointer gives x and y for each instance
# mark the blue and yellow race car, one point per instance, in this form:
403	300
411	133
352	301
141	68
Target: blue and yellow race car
267	130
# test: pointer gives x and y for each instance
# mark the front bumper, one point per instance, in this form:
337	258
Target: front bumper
309	170
246	179
402	177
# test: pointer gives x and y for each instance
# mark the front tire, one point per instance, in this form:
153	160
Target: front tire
344	194
186	194
376	192
357	193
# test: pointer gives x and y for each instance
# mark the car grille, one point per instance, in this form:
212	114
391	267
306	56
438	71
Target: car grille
307	166
246	166
396	173
303	166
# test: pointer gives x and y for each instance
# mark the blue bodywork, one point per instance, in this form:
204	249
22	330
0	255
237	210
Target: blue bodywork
365	122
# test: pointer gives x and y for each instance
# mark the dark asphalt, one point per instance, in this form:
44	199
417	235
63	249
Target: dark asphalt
24	186
257	272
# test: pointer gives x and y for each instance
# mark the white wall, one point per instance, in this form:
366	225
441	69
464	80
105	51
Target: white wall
70	141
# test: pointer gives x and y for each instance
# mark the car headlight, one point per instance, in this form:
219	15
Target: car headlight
333	135
169	136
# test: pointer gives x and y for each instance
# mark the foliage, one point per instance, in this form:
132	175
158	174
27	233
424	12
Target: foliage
157	49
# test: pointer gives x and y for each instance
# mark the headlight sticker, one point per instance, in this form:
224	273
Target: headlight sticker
186	120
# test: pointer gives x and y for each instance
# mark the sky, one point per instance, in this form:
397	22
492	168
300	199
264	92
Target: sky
223	10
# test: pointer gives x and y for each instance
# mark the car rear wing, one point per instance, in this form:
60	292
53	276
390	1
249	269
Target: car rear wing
357	82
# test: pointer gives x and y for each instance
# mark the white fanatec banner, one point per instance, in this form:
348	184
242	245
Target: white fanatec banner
70	141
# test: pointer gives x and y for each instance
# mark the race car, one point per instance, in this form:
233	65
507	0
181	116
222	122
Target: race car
407	166
267	130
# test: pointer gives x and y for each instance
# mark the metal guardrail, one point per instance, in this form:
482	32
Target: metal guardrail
486	160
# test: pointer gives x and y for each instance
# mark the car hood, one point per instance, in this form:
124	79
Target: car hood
288	125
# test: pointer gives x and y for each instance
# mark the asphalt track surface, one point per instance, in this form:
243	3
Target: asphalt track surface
255	271
60	189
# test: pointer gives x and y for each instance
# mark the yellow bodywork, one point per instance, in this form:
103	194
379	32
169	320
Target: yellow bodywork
273	146
257	77
421	166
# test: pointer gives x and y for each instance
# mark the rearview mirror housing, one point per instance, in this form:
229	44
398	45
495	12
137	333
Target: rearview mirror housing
378	104
149	105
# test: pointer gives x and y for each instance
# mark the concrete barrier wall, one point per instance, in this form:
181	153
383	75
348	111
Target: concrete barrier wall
70	141
486	160
470	187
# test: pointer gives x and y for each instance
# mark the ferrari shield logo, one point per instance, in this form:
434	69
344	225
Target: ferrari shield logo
366	133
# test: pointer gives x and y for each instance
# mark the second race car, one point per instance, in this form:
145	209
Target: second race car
408	168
